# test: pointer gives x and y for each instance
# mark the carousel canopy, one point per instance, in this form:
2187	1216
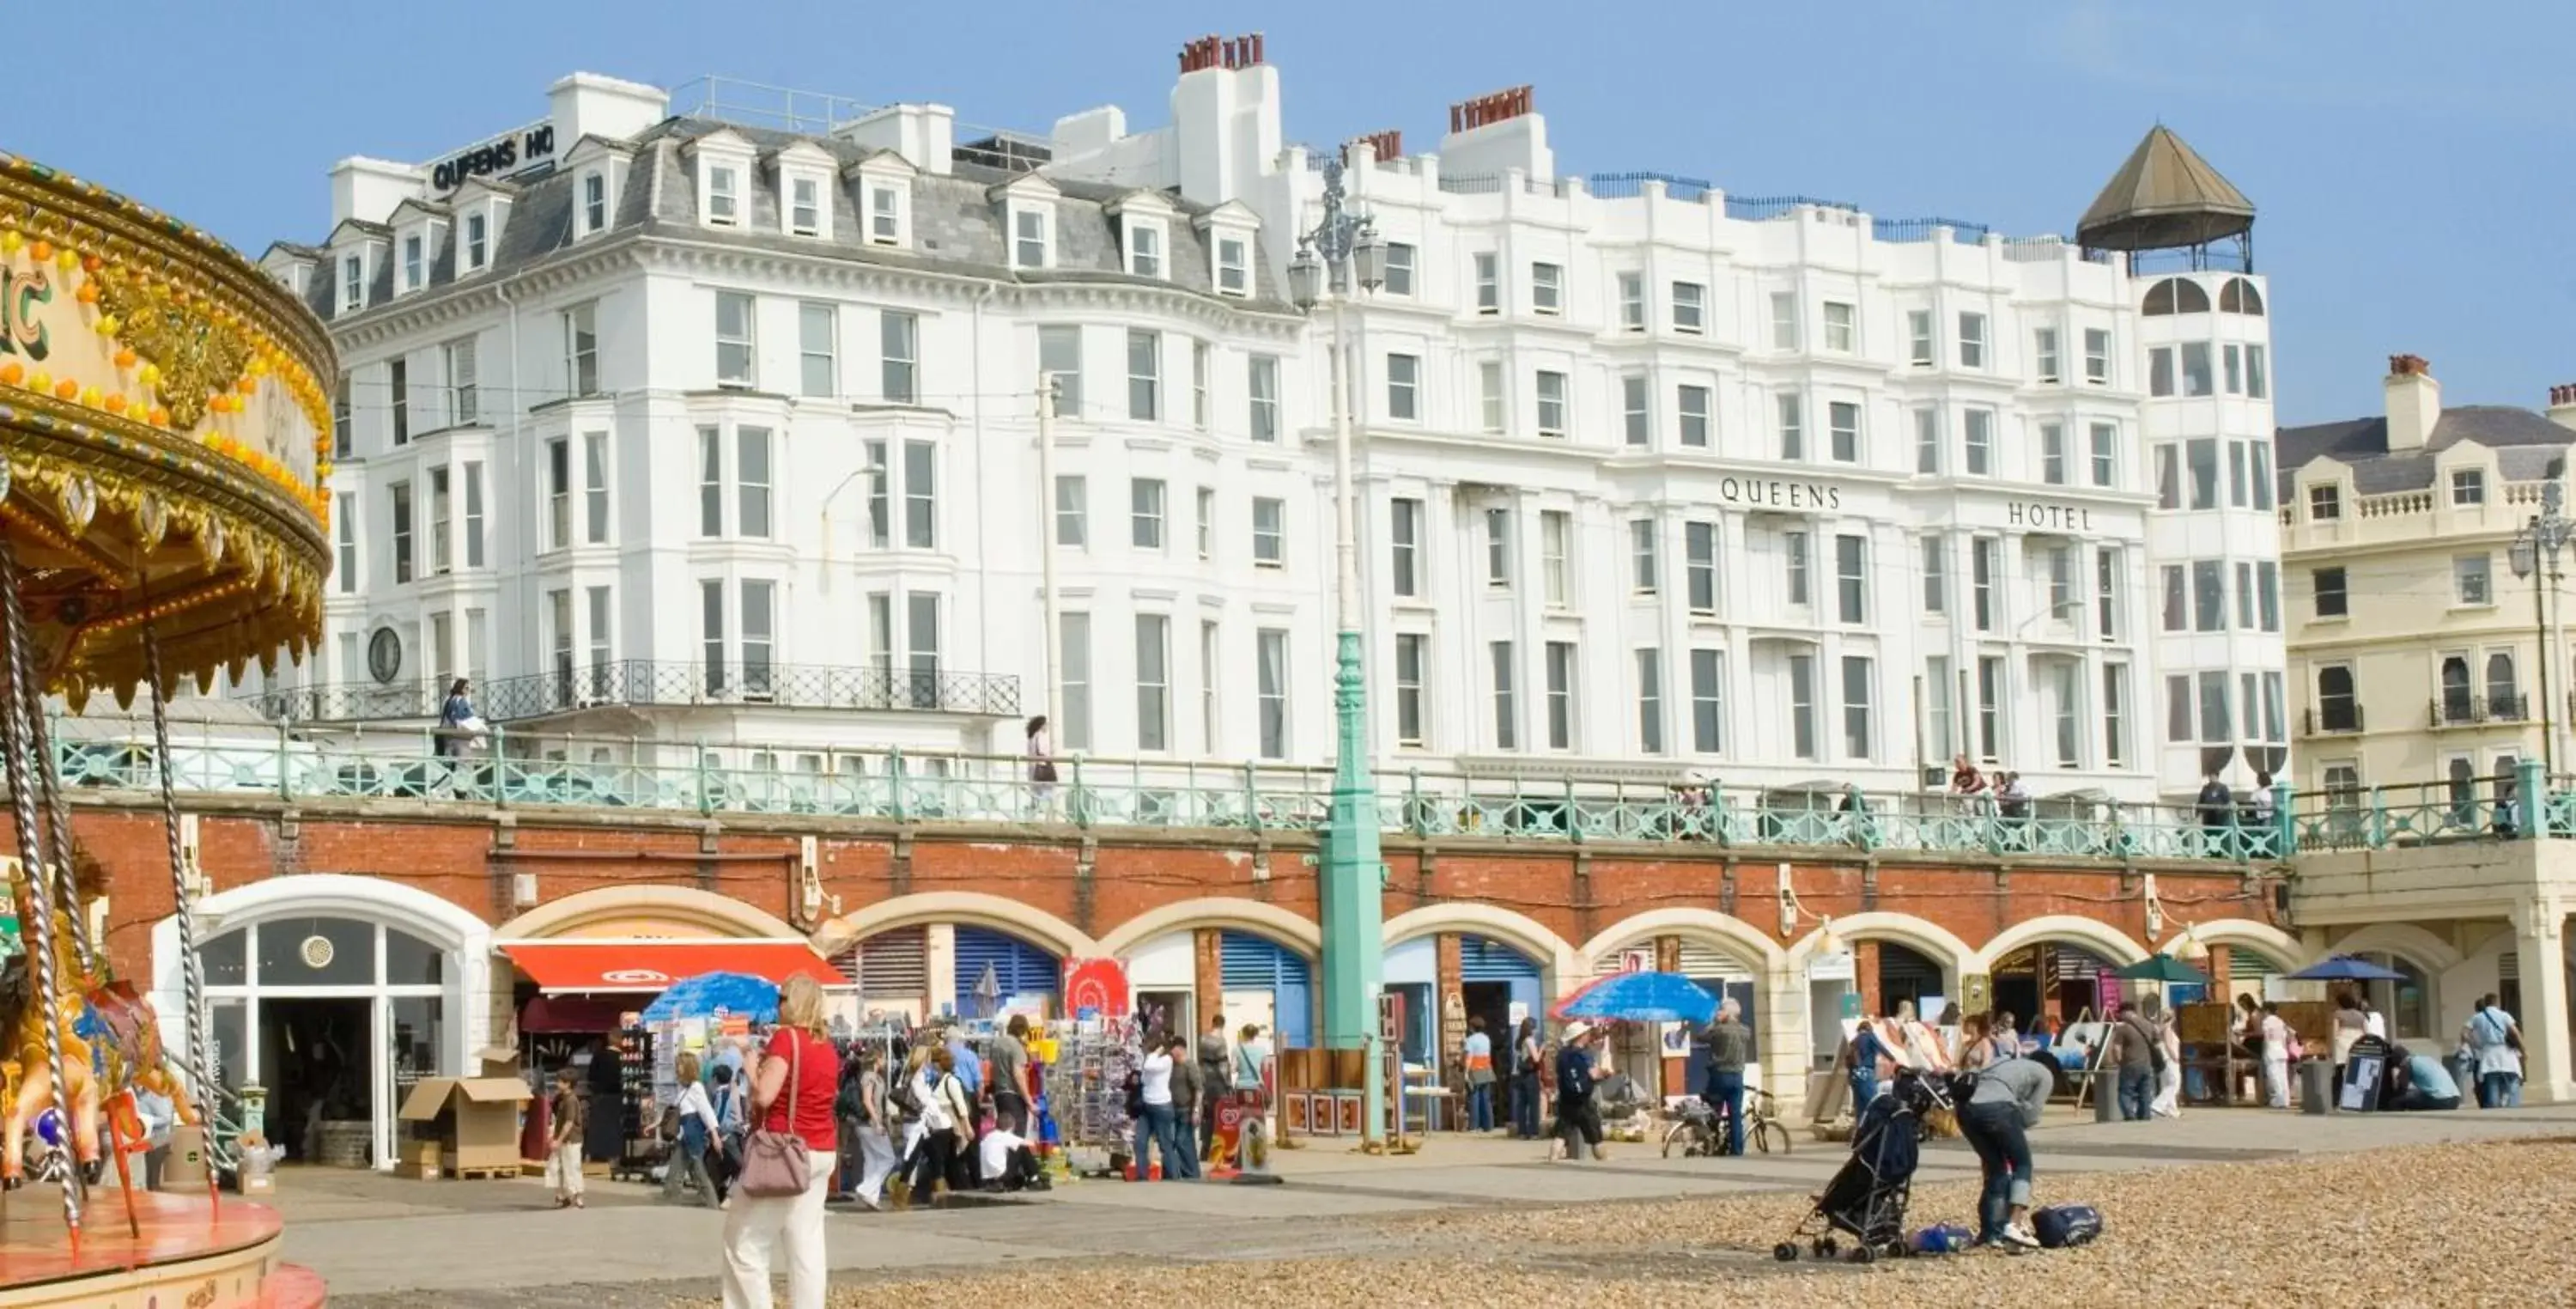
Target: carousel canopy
165	409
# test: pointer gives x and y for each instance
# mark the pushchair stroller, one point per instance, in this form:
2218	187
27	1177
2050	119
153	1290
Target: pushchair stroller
1867	1197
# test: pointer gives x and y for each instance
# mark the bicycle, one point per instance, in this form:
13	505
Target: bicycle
1700	1132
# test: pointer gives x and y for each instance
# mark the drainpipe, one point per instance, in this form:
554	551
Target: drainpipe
983	509
492	475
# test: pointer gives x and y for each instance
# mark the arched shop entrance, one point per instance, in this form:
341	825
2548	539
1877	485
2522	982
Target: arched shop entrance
335	994
2055	980
2408	1003
1495	981
998	974
1661	1056
1163	981
1907	975
1267	983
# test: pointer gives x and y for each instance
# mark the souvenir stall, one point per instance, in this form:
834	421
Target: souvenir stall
165	413
1648	999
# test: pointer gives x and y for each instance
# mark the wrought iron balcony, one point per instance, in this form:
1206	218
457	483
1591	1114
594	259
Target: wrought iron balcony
2469	710
644	683
2333	719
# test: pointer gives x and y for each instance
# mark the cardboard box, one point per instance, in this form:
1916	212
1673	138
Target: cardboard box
474	1121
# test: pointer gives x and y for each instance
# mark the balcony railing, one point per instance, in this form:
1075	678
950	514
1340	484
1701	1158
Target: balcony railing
2423	813
2471	710
2333	720
642	683
518	768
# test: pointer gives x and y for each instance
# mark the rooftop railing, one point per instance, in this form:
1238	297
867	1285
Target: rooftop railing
1762	209
1961	231
521	769
1622	186
645	683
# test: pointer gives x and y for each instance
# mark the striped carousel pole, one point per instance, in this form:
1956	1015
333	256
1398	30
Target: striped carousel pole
58	814
195	1040
38	934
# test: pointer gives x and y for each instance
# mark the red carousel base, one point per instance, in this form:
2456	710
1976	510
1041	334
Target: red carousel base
192	1255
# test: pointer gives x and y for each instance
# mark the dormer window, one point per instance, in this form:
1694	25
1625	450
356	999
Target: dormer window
594	203
1029	245
804	206
1233	266
1145	249
353	283
414	267
478	241
885	215
724	195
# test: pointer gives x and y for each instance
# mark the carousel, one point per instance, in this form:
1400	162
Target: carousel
166	425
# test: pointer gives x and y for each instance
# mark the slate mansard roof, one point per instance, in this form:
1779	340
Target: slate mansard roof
2528	448
957	223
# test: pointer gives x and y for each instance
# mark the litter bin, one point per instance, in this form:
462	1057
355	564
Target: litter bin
2316	1086
2106	1096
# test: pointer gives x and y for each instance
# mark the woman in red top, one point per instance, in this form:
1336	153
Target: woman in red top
792	1085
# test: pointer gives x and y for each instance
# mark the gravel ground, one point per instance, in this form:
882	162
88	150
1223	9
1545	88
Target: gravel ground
2391	1227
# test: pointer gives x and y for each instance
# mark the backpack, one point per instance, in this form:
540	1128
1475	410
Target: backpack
2062	1225
906	1093
851	1104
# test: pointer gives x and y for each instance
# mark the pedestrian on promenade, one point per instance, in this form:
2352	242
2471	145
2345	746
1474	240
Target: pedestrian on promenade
2349	1025
569	1111
1479	1050
2135	1050
1042	775
2007	1101
2276	1057
1154	1116
2168	1101
792	1088
1864	1049
1216	1081
2496	1041
848	1108
1008	1071
876	1146
1728	1044
1578	1117
1180	1155
697	1135
909	1097
1527	1067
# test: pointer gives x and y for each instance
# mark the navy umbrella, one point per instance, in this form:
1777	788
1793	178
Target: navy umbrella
2346	968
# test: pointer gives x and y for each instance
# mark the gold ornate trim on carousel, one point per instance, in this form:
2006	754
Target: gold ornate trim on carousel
167	440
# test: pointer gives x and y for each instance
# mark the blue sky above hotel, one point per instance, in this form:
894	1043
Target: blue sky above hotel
2408	166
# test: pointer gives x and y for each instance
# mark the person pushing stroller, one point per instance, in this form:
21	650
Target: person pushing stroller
2004	1101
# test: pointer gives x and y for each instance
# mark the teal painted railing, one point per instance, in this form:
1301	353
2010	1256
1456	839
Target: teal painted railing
514	771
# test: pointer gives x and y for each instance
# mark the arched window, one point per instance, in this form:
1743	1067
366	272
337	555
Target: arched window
2408	1003
2502	702
2239	296
2176	295
2455	689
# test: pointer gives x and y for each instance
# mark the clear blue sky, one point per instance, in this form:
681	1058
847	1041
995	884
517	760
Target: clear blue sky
2408	165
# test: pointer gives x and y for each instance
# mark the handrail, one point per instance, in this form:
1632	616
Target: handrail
532	770
650	682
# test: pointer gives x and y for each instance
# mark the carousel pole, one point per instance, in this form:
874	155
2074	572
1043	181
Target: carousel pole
39	934
58	813
195	1041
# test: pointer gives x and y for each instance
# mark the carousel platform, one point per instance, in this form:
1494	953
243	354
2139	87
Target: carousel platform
190	1254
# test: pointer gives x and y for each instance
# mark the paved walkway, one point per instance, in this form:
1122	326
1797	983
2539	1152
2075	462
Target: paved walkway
384	1242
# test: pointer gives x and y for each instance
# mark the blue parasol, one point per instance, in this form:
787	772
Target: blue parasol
738	995
2346	968
1641	998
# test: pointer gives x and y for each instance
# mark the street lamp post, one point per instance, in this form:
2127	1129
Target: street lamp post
2535	555
1350	877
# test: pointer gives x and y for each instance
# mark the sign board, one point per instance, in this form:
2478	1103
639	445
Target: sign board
1390	1018
2365	1075
1637	961
1834	967
1097	985
498	157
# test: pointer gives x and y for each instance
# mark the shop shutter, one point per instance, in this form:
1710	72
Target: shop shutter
891	967
2246	965
1251	963
1483	960
1019	967
1700	961
2509	966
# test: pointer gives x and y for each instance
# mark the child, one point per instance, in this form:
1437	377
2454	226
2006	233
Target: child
729	1125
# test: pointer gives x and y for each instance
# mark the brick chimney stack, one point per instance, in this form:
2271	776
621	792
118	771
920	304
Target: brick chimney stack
2562	404
2414	402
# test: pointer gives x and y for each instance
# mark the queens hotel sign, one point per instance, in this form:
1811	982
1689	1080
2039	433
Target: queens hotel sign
500	156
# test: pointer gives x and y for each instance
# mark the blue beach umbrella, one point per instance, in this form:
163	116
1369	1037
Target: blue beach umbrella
2345	968
739	995
1640	998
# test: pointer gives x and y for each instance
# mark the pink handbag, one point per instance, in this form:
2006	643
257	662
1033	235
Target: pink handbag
779	1164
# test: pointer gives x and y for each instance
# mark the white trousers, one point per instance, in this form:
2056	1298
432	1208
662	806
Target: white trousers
876	1163
563	1169
755	1226
2276	1082
2168	1101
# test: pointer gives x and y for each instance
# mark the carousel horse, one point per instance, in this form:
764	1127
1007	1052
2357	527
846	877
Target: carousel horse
27	1087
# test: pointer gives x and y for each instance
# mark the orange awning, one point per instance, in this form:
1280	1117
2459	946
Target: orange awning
649	967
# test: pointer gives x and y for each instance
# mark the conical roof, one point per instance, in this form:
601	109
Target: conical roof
2164	197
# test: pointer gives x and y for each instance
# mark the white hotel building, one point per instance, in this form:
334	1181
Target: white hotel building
683	429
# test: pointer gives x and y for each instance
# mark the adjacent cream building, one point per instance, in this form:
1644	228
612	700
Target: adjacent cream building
2414	647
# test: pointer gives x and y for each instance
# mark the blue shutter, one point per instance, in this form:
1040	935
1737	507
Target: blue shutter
1020	968
1255	963
1483	960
